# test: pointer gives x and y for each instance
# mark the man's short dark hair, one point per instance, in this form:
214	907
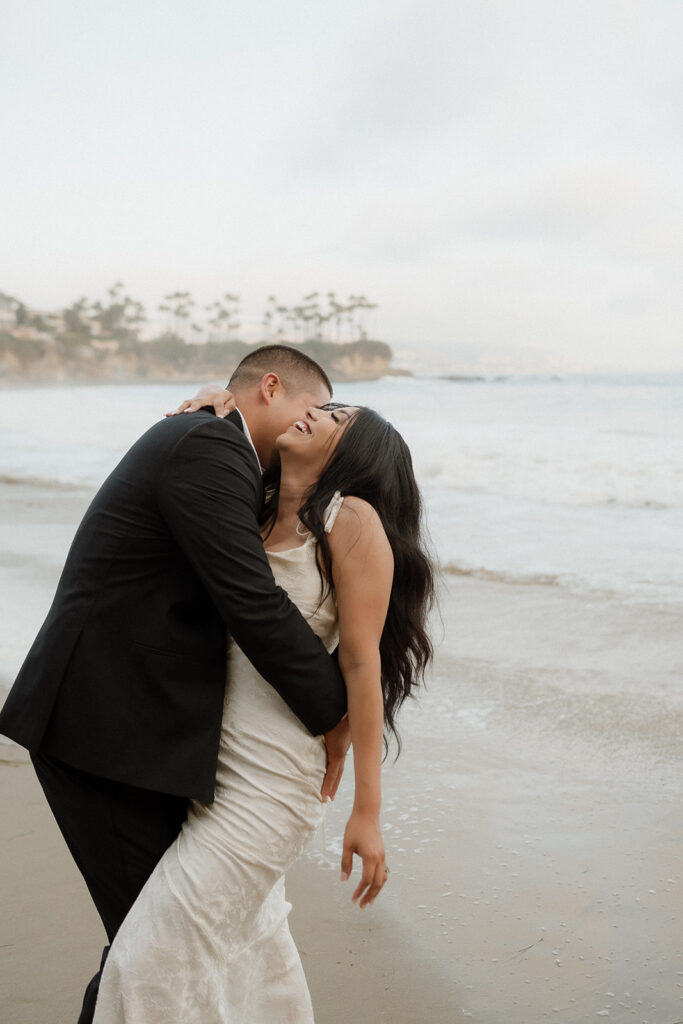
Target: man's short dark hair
294	369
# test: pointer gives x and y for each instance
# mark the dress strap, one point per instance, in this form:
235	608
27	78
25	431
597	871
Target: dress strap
332	510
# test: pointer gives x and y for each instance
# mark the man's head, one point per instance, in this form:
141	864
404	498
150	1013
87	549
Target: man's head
273	386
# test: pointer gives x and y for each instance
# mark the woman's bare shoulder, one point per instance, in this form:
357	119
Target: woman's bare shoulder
358	514
357	521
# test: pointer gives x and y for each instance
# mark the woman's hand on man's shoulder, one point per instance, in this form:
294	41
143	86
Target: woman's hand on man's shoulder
212	395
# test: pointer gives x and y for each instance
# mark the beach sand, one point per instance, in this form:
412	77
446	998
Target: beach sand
532	821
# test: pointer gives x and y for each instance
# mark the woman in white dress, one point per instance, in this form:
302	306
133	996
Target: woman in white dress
207	941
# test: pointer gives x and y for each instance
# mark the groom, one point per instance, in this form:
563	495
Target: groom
120	698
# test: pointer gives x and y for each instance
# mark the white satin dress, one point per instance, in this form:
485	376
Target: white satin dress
207	941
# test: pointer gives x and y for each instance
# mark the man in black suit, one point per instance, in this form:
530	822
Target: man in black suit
120	698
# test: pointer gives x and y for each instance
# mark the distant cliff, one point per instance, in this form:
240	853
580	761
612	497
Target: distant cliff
168	358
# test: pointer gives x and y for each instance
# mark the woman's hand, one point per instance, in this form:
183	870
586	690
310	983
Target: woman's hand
211	394
364	838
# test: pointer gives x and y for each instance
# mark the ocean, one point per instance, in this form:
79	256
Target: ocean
572	482
532	821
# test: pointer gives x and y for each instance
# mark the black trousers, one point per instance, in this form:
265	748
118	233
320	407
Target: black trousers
115	833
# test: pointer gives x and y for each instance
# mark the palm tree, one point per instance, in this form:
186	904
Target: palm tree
179	306
225	314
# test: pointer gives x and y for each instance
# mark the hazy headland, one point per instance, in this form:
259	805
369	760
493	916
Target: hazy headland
115	340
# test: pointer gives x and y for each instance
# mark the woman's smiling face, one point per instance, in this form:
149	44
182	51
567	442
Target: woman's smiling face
314	438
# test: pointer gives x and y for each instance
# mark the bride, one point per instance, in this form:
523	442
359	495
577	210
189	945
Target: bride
207	941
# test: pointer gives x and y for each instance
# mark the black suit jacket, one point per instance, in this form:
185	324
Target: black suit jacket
127	674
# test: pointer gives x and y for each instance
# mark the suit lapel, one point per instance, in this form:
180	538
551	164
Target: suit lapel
236	419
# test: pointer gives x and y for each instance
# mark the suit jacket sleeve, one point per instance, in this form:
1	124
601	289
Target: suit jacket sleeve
209	495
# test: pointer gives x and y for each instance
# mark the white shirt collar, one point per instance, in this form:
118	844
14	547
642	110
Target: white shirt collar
249	438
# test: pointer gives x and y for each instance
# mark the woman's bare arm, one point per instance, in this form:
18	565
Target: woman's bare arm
362	569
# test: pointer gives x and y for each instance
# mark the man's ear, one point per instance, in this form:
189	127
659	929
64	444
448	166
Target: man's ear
270	384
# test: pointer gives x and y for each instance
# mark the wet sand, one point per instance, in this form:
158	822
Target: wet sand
532	822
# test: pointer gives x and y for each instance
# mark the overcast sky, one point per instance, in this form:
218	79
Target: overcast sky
500	173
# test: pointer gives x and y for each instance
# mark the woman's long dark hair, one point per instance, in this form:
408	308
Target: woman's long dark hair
372	462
